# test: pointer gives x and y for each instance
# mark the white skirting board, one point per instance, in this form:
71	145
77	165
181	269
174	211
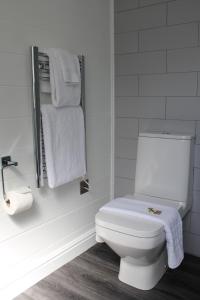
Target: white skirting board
49	264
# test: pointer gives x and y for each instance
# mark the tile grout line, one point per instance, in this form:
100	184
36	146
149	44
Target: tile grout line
139	6
156	27
158	50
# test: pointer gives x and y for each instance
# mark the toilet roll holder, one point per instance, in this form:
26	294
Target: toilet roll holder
6	162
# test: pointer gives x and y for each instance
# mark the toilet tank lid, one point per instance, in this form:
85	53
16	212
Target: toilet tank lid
166	135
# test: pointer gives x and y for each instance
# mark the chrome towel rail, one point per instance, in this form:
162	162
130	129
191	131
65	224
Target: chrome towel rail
40	71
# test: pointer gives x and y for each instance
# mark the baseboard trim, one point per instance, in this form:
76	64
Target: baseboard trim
49	264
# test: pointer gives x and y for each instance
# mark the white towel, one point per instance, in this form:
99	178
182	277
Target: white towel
69	65
64	143
63	93
169	217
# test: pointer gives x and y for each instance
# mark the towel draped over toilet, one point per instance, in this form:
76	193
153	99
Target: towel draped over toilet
169	218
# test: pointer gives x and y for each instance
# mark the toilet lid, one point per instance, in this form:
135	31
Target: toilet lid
127	224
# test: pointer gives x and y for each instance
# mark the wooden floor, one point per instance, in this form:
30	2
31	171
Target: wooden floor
93	276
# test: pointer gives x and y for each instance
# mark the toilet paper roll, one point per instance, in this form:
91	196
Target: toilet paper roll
18	201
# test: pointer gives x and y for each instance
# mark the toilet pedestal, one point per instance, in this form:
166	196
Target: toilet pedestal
140	276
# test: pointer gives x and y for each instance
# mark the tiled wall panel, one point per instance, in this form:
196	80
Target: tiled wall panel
159	45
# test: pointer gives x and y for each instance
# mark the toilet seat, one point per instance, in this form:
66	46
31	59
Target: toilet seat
137	226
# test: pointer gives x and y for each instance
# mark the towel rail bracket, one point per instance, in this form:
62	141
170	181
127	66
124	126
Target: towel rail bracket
6	162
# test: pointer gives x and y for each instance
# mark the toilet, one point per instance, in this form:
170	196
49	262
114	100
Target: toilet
163	176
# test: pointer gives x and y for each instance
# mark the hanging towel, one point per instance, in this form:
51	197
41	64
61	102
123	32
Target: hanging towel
70	66
169	218
64	143
64	78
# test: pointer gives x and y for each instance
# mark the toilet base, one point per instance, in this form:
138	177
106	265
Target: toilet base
142	277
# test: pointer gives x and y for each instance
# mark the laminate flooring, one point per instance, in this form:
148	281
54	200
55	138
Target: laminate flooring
94	276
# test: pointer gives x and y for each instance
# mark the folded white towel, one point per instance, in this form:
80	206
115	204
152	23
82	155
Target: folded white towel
62	93
169	217
64	143
70	66
45	87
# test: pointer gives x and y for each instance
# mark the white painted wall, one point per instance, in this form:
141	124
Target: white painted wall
59	216
157	86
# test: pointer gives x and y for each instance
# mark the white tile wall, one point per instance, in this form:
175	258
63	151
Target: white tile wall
183	108
142	18
124	186
126	86
169	87
141	107
169	37
195	223
183	11
125	168
152	62
196	179
126	128
126	148
125	5
179	84
150	2
196	202
198	132
197	156
126	42
155	125
183	60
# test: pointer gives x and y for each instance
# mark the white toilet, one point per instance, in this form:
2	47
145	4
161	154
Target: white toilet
163	176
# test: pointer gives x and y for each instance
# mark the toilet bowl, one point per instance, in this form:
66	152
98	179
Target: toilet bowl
141	243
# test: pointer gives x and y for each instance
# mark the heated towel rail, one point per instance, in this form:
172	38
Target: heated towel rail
40	71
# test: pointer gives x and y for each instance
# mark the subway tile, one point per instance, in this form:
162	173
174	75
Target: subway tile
138	63
171	126
121	5
197	132
192	244
173	84
15	70
127	128
197	156
183	60
141	18
126	86
195	223
169	37
125	168
126	148
126	42
14	102
186	222
183	108
196	179
198	91
183	11
123	186
141	107
150	2
196	202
